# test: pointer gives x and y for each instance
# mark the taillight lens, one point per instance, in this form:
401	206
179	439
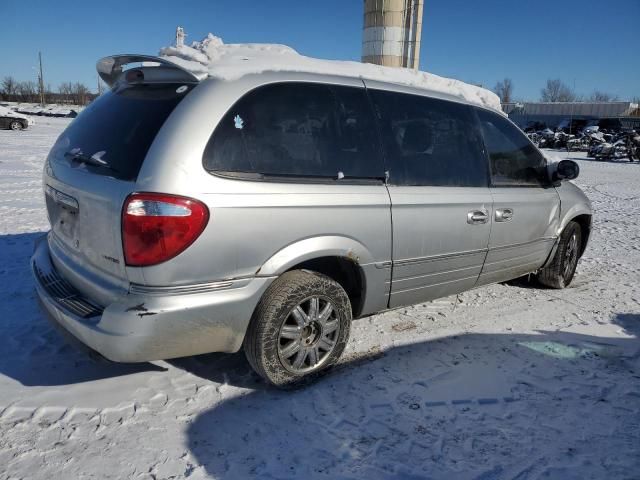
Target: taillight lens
156	227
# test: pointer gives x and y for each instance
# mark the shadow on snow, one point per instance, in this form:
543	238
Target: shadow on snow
468	406
33	351
554	404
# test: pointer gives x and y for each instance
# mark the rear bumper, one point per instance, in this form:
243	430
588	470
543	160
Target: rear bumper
154	325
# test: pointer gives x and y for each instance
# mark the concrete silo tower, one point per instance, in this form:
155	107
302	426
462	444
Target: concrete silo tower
392	31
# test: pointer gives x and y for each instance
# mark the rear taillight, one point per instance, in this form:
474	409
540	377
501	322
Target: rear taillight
156	227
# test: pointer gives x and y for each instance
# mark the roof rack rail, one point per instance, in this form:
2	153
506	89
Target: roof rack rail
110	69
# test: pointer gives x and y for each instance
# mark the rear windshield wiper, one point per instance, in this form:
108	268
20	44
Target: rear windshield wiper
93	160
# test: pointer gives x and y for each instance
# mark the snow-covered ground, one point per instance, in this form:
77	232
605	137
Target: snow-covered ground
502	382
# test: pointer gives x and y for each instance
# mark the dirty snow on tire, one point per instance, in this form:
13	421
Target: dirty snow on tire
507	381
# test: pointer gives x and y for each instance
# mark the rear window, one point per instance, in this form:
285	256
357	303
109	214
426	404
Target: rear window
118	127
297	130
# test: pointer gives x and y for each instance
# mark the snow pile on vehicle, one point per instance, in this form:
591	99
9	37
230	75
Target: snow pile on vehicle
7	112
212	57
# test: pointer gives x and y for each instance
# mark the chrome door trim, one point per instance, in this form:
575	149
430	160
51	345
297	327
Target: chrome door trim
416	260
422	287
524	244
435	274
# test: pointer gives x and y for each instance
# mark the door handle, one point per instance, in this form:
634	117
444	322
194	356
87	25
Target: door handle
475	217
504	214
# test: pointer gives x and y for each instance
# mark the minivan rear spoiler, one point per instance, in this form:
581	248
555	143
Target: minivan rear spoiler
159	69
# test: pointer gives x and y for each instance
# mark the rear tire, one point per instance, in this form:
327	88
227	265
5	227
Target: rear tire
560	272
299	329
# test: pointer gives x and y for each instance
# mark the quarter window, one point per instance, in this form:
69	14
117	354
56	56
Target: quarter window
297	129
513	159
430	141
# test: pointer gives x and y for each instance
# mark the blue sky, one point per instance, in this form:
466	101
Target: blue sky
590	44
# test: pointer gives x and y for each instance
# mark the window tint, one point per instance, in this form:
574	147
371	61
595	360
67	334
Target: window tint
298	129
512	157
430	141
119	126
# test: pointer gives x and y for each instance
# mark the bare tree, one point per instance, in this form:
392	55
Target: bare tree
65	89
598	96
67	92
80	93
557	91
8	87
28	91
504	89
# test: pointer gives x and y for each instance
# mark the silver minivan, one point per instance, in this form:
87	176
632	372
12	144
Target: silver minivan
266	212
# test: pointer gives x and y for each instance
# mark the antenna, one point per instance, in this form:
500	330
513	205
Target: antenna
180	36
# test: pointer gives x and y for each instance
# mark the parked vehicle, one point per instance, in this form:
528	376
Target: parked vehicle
49	111
546	138
616	146
586	139
633	145
13	120
580	142
561	139
204	216
59	112
31	109
534	137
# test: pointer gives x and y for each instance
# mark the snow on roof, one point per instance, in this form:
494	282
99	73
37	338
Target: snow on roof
7	112
212	57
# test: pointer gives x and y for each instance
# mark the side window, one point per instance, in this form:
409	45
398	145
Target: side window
513	159
430	141
297	129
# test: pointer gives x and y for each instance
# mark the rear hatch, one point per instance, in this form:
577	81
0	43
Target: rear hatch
91	170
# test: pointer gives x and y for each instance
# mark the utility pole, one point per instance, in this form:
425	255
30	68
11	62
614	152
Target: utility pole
41	81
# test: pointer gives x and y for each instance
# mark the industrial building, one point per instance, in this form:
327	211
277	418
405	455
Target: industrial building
392	31
573	115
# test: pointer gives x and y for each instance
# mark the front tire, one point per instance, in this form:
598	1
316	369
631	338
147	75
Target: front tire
299	329
560	272
15	125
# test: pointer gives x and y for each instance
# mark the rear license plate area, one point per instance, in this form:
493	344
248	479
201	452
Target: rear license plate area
63	214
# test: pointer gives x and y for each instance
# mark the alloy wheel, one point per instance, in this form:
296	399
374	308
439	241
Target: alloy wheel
308	335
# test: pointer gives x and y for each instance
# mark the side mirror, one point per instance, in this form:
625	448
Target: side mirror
566	170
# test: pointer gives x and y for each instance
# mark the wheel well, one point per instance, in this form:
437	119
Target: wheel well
344	271
585	228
